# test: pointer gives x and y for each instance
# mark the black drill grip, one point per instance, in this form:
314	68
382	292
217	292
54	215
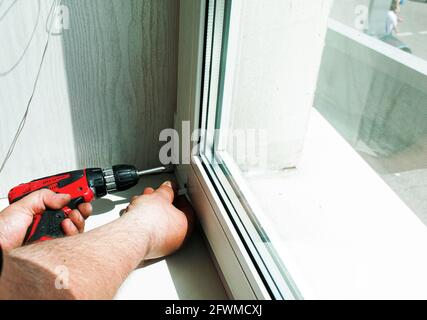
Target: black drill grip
48	225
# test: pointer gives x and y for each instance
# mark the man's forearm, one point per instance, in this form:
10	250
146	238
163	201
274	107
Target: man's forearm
90	265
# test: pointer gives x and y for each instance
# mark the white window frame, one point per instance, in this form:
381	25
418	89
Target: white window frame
241	274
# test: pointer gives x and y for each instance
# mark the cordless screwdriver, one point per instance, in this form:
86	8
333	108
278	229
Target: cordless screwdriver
83	186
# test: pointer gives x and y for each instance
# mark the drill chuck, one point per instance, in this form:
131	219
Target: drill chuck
125	177
120	178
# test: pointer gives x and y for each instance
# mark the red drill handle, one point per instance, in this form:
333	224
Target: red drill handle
82	185
48	225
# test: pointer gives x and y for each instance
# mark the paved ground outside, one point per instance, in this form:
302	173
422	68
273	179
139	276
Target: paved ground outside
412	30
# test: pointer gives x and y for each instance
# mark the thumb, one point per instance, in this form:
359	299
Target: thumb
166	191
39	201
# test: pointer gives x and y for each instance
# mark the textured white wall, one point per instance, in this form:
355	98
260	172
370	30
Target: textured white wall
107	89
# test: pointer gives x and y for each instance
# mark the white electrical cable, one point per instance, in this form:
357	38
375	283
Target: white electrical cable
8	9
54	7
4	73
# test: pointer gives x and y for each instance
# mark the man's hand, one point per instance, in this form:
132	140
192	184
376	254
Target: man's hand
15	219
100	260
167	222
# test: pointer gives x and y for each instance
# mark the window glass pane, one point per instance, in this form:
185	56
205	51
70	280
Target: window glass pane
321	142
380	107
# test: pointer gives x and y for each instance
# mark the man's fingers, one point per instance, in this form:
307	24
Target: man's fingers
38	201
56	201
78	220
86	210
182	204
148	191
166	191
69	228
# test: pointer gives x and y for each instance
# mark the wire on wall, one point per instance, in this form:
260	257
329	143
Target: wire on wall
4	73
55	5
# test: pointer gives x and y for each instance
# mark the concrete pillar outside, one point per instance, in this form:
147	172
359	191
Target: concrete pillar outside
274	56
